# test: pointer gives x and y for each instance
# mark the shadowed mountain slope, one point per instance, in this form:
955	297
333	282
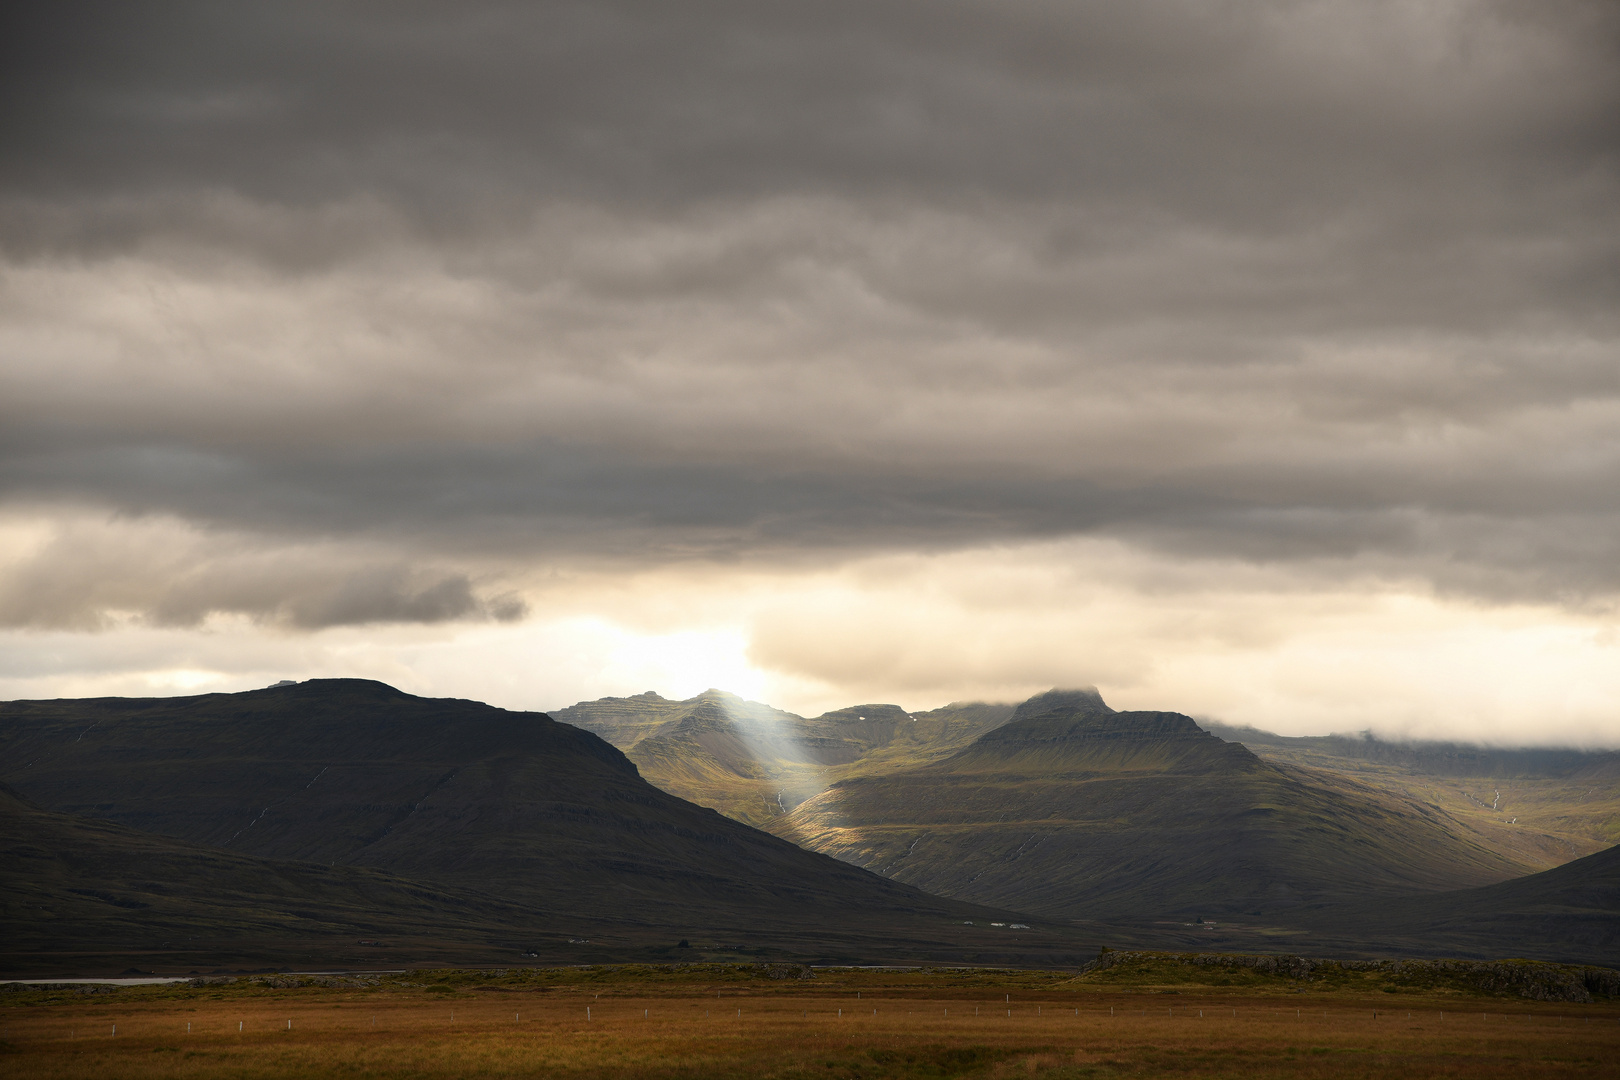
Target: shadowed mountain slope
1075	810
1570	913
75	890
514	805
755	763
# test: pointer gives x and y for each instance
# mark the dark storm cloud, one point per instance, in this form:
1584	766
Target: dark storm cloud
501	284
82	581
1256	114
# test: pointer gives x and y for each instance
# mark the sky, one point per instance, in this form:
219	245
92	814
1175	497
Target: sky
1251	359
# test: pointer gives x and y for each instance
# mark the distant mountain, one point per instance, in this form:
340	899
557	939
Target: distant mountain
1538	806
1074	810
749	761
525	811
1412	815
755	763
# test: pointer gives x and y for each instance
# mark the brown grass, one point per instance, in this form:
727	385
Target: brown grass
795	1031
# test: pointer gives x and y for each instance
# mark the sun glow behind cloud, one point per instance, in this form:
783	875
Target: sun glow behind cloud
1279	651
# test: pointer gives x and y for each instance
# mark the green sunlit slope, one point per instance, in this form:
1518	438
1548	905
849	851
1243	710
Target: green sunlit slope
755	763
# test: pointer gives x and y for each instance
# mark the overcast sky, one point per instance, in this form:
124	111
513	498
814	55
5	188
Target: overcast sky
1259	360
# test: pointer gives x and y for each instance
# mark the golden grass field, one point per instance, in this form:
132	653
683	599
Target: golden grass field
868	1024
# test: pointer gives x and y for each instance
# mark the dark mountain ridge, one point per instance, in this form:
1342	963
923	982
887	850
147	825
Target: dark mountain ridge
324	771
522	809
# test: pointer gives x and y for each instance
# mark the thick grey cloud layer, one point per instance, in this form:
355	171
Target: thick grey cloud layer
421	298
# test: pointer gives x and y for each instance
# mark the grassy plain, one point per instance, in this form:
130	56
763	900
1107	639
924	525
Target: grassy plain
728	1022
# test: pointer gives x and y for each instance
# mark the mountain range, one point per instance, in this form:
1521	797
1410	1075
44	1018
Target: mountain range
342	822
1145	827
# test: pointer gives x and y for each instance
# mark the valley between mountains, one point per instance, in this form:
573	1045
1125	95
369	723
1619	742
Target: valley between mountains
344	823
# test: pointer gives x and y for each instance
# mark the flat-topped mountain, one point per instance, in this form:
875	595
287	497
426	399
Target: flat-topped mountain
1072	809
1071	732
513	805
755	763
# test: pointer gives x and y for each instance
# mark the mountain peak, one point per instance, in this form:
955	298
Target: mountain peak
714	695
871	713
1066	730
323	689
1090	724
1062	702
